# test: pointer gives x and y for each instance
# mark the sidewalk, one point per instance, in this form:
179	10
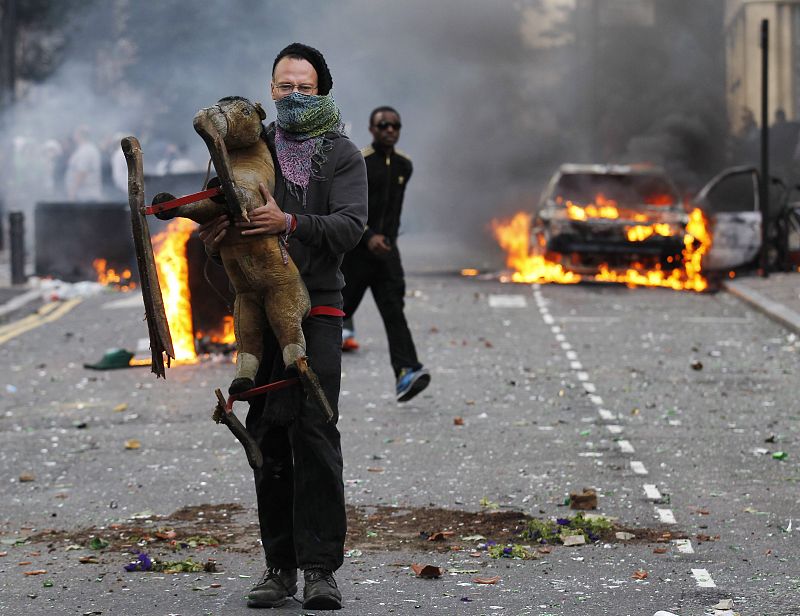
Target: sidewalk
778	296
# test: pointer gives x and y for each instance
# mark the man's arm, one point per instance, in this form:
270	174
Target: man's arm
340	229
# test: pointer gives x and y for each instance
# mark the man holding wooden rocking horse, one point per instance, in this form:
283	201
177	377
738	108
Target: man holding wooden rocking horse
320	206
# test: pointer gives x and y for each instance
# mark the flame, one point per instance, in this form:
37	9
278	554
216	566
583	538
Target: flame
514	238
531	266
169	248
601	208
225	334
640	233
109	276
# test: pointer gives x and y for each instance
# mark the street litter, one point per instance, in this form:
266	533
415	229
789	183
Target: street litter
98	543
26	477
441	535
640	574
458	421
780	455
724	604
115	359
35	572
583	500
133	443
512	550
625	536
554	531
427	571
572	540
486	580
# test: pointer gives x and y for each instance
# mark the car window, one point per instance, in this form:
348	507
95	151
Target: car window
733	193
627	190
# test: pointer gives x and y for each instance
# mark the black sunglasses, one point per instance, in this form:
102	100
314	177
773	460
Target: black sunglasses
384	125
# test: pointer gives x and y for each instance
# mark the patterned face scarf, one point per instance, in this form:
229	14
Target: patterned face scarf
303	120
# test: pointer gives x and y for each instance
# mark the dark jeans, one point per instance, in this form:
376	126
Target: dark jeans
384	275
300	490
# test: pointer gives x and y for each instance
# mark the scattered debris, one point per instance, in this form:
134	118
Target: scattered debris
458	421
697	365
35	572
512	550
583	500
572	540
780	455
133	443
487	504
27	477
724	604
486	580
98	543
440	535
640	574
624	536
427	571
122	406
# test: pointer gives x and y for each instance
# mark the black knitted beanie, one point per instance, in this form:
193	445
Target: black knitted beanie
317	60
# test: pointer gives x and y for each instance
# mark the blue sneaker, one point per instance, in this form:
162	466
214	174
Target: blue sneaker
411	382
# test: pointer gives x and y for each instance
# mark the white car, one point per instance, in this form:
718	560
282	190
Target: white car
730	202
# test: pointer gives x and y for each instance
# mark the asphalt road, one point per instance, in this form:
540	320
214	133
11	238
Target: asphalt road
559	388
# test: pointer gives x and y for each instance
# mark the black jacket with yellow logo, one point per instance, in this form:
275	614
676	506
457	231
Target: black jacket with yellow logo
387	177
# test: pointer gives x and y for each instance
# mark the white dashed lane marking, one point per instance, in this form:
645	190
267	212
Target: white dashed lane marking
704	579
652	493
625	446
666	516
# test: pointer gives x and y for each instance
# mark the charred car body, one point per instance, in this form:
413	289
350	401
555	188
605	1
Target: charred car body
610	215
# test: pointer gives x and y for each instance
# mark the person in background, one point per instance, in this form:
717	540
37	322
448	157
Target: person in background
82	178
375	263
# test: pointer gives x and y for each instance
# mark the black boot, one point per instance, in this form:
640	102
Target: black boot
275	586
320	591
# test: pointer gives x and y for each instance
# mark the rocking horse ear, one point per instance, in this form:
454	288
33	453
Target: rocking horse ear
261	113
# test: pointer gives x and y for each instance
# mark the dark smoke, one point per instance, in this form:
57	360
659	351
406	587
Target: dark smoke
494	95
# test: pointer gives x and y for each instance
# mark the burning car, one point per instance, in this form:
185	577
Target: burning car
611	216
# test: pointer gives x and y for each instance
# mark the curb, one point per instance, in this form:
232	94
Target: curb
774	310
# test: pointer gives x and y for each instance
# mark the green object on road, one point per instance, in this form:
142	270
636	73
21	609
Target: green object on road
113	359
98	544
780	455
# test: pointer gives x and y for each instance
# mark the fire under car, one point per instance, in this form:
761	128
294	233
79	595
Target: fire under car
612	216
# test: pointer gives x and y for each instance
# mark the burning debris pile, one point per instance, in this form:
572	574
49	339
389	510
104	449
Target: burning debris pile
109	277
534	264
169	248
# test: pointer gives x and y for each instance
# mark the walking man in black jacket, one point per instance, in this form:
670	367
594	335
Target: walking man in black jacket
320	207
375	262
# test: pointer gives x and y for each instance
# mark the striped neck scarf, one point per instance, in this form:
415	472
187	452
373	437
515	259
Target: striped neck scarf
303	120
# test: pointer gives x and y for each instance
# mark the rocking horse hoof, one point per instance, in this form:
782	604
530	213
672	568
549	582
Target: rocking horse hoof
240	384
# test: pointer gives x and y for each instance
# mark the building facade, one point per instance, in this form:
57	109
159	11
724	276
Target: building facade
743	58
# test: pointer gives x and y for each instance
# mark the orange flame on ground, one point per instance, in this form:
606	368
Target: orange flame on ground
514	238
169	249
109	276
530	266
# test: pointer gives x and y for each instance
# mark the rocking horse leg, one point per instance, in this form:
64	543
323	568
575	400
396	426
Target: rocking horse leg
312	386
